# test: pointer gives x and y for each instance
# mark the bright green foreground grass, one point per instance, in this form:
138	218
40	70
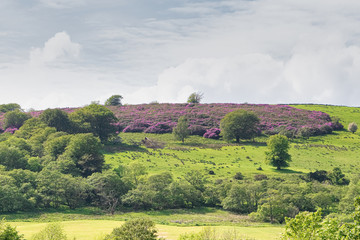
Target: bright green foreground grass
90	229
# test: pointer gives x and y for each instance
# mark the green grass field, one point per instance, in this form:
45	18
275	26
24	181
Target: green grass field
340	149
91	229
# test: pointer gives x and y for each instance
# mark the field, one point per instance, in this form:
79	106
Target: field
217	159
90	229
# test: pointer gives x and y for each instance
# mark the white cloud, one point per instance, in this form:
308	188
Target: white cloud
58	47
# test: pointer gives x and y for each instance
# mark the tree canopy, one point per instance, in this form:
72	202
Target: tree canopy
181	130
238	125
114	100
96	119
277	154
195	97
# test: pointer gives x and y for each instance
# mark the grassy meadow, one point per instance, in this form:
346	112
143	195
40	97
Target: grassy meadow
339	149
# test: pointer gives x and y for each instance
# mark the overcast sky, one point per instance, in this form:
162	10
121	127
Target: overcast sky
67	53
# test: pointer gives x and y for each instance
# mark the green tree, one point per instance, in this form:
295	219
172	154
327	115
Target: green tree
108	188
277	154
181	130
136	229
114	100
15	119
52	231
12	157
9	233
238	125
9	107
56	118
84	150
352	127
96	119
195	97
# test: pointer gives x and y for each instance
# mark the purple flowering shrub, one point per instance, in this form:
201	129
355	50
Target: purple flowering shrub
160	128
197	130
137	126
213	133
155	118
10	130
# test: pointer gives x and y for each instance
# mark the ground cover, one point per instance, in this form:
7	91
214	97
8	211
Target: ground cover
91	229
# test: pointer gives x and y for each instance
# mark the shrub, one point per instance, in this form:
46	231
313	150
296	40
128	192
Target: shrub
136	229
213	133
138	126
52	231
197	130
352	127
9	233
239	176
159	128
260	177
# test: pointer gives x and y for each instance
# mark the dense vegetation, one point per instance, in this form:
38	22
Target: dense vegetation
61	160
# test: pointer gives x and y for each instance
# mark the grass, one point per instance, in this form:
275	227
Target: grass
90	229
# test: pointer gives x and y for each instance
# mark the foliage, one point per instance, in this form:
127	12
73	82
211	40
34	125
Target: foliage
84	150
114	100
136	229
95	119
181	130
352	127
12	157
9	233
56	118
239	125
9	107
195	97
15	119
273	118
53	231
337	177
277	154
213	133
108	189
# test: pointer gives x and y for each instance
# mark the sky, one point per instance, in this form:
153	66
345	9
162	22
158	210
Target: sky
68	53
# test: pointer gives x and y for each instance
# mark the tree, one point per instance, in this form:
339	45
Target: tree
181	130
114	100
9	233
136	229
96	119
352	127
56	118
108	188
195	97
15	119
239	124
277	154
9	107
84	150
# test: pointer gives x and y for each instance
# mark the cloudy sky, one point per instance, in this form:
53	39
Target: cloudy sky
67	53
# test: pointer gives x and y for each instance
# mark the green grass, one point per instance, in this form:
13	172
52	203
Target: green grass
90	229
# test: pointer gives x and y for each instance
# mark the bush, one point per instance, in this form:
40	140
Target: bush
352	127
159	128
15	119
136	229
239	176
260	177
197	130
52	231
213	133
9	233
137	127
